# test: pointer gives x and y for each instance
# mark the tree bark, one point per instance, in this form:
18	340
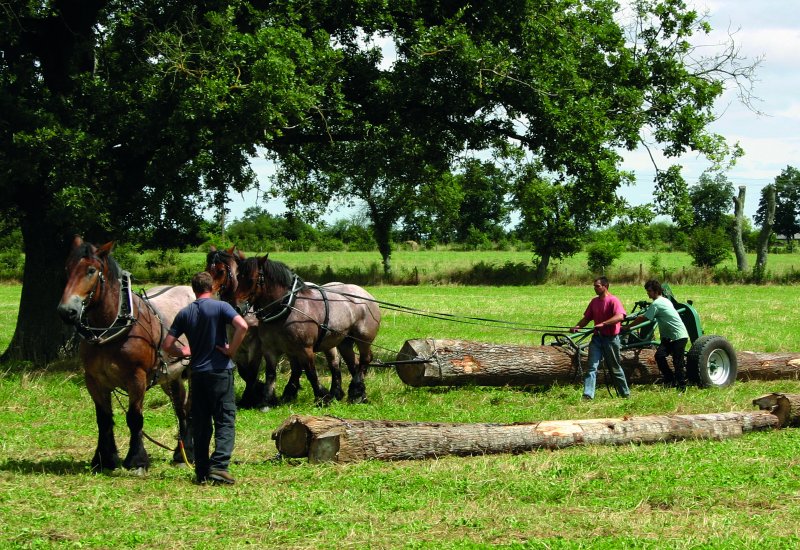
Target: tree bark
766	232
329	439
738	242
40	336
459	362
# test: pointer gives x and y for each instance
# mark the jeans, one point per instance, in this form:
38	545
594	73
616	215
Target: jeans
675	348
213	411
605	348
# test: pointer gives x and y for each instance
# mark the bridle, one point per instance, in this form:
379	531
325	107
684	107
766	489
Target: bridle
125	315
217	258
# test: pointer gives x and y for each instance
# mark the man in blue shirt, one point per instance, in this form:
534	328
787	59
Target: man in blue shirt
204	323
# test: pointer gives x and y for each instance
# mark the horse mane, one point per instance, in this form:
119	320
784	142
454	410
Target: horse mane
88	250
276	272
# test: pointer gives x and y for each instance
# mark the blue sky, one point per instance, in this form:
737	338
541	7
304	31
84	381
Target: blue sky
768	29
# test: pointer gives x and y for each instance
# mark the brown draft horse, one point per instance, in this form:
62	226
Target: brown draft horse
298	318
222	266
120	348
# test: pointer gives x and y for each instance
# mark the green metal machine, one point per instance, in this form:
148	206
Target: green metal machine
710	361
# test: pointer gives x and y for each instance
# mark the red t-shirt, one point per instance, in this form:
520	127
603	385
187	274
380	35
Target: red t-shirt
601	309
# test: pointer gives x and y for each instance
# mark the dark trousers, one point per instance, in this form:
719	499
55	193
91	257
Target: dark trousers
213	411
675	349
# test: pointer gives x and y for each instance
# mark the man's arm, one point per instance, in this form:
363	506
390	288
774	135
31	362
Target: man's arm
174	348
239	330
582	323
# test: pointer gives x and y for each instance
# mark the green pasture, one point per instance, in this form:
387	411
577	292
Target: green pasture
735	493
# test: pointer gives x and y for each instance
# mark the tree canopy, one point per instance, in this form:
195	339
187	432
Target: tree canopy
124	117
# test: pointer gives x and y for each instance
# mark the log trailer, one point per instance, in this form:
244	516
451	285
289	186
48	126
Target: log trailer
710	360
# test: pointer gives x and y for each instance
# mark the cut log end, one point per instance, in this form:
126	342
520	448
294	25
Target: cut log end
785	407
293	438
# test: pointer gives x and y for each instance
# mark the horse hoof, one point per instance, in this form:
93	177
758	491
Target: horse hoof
140	471
264	408
358	400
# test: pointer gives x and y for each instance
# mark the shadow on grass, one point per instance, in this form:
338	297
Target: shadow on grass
55	467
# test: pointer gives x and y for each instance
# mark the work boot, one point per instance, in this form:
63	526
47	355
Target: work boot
220	477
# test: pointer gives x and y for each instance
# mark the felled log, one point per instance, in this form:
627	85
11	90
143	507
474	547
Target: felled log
460	362
330	439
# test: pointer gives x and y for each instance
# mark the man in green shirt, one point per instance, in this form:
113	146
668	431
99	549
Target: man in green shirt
673	335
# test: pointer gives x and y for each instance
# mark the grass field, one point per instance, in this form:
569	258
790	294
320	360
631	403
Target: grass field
736	493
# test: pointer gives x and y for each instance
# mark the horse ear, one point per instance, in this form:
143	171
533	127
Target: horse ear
212	249
262	260
76	241
231	250
240	254
105	249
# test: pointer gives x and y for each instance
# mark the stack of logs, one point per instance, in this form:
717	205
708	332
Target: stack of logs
330	439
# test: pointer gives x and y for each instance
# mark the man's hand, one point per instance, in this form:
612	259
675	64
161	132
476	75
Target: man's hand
226	350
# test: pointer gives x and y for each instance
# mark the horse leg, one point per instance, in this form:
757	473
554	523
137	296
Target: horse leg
334	364
293	386
137	457
181	403
306	361
248	362
106	456
267	398
248	371
357	391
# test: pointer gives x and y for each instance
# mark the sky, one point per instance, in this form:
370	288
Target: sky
769	135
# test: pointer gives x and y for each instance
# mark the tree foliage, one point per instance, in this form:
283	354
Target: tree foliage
787	204
129	119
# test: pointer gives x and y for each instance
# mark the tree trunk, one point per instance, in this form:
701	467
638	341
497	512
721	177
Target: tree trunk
458	363
326	439
40	336
738	242
760	269
541	268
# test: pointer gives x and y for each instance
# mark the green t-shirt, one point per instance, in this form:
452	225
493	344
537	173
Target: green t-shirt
669	322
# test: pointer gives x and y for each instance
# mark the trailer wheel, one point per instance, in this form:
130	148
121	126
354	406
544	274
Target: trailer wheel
711	362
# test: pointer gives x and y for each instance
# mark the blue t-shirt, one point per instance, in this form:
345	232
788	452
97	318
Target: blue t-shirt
204	323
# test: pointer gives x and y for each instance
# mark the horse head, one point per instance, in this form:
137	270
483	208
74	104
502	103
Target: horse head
223	266
89	271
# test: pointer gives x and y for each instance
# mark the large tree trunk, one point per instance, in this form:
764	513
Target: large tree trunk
541	268
738	242
40	336
325	439
760	269
459	362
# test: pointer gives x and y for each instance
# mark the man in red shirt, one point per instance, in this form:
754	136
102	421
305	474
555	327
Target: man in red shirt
606	312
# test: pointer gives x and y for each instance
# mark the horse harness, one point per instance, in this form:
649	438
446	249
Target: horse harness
287	304
124	321
98	336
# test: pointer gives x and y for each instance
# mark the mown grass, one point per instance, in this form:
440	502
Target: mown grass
742	493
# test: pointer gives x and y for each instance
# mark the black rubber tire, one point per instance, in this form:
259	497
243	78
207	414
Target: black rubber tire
711	362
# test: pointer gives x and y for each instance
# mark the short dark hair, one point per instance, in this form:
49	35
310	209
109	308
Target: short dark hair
603	281
202	282
655	286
